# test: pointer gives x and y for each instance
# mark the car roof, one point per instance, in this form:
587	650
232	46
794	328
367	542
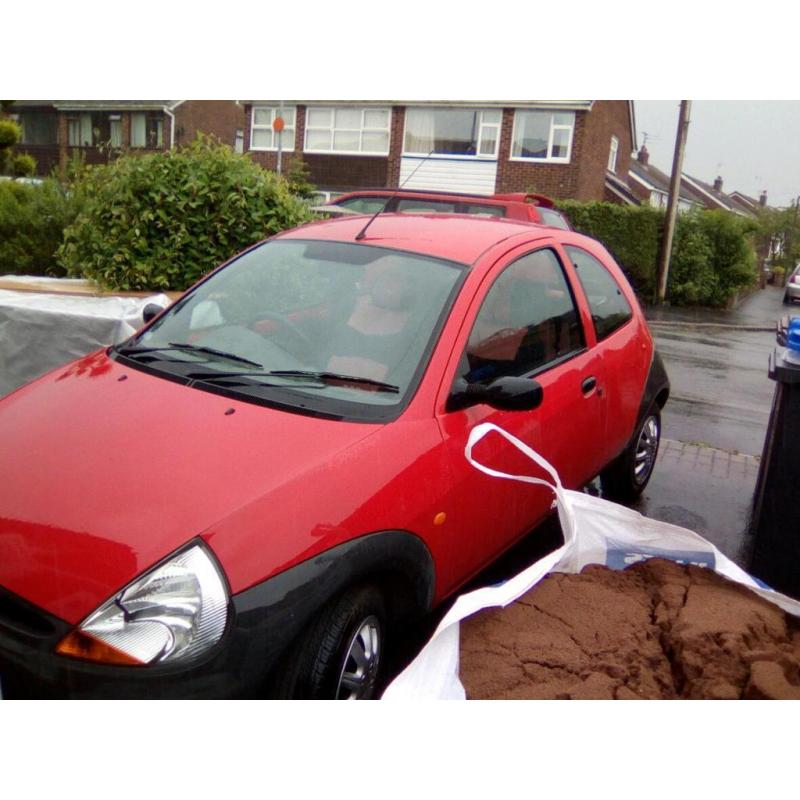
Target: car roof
456	237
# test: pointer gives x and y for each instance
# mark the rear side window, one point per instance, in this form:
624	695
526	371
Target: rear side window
553	218
364	205
527	320
610	310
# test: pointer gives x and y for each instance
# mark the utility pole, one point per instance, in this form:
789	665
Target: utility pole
674	195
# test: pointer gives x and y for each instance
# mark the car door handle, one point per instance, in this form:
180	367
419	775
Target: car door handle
589	384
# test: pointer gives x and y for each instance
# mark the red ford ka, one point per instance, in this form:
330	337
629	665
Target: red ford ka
250	496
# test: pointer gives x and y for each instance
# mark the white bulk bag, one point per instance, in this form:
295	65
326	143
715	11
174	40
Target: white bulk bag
595	532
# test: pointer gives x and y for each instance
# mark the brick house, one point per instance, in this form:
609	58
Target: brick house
562	148
54	130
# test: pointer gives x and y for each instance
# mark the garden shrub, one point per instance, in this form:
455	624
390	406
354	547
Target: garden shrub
23	165
32	222
162	221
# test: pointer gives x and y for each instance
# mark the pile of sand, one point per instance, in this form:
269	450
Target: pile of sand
657	630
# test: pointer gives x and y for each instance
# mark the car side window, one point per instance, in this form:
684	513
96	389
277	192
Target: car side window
610	310
527	320
552	218
364	205
412	205
482	209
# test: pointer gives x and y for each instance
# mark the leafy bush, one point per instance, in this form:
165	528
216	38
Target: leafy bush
23	165
10	134
162	221
733	258
692	279
32	222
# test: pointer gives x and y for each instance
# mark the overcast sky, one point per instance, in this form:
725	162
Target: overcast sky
752	145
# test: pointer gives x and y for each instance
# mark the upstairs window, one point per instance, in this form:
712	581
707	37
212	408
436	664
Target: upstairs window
543	136
262	137
460	132
612	154
348	129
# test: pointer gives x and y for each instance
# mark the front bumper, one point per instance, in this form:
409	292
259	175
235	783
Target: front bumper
793	290
238	666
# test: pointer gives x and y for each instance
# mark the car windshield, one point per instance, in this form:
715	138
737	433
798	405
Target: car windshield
328	327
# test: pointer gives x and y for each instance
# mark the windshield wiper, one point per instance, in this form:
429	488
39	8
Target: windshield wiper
197	348
323	377
336	376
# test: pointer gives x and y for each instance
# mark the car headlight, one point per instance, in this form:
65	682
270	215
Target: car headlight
172	613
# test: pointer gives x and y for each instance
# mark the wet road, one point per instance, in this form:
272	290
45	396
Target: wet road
720	392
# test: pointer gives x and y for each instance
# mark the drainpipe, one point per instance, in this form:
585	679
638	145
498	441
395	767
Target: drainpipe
171	127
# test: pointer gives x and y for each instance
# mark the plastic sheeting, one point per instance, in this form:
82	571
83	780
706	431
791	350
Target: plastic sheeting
39	332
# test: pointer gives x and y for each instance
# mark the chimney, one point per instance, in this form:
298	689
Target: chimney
643	156
762	201
718	184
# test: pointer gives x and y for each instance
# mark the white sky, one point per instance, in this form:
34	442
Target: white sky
752	145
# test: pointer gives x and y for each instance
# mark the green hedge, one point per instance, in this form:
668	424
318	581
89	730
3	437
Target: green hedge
162	221
32	222
713	254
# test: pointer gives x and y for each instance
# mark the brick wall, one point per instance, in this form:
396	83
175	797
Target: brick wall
222	118
606	119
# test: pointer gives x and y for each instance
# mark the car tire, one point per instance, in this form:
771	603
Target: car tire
625	479
787	301
339	657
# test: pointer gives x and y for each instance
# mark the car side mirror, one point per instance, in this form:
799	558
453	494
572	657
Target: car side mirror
507	393
151	311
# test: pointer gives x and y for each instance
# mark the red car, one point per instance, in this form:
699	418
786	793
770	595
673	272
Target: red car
251	494
526	207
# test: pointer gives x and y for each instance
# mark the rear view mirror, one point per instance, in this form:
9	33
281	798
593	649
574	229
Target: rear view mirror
507	394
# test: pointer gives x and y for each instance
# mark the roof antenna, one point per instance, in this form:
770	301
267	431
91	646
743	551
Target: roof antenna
363	232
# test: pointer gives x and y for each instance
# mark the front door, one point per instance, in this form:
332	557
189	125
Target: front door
525	322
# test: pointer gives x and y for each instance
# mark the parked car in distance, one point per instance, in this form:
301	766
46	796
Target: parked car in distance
255	492
792	287
522	206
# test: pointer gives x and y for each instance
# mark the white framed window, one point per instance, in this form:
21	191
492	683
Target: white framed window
452	132
262	137
542	136
352	130
612	154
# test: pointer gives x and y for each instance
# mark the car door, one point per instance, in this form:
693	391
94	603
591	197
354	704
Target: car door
524	321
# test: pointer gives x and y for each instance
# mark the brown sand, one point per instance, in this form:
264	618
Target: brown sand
657	630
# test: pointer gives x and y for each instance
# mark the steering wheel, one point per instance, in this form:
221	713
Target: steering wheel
308	346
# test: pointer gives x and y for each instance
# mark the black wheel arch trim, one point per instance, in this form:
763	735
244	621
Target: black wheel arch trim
281	607
656	389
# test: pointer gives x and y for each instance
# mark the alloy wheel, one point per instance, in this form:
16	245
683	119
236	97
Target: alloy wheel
646	451
362	658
